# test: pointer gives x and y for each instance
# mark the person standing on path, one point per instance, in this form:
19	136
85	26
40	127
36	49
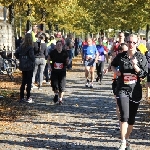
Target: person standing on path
60	60
68	48
25	54
132	66
40	50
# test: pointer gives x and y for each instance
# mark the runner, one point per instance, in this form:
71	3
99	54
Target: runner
40	52
121	48
59	60
25	54
120	39
101	60
132	66
90	56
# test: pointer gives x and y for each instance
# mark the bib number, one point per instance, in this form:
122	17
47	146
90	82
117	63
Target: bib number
88	57
58	65
129	78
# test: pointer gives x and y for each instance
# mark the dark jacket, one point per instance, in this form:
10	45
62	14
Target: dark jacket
26	58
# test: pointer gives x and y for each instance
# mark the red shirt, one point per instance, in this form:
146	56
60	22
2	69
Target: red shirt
86	43
105	48
116	47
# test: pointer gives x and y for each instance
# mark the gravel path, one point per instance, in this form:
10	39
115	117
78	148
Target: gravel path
86	120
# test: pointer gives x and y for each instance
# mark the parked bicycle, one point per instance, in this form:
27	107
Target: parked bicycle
7	65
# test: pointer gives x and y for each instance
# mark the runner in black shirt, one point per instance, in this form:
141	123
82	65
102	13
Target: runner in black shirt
59	60
132	66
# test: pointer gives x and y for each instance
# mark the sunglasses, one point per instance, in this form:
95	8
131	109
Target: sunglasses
130	42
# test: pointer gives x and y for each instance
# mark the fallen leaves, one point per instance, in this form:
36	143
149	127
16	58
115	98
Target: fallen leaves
9	106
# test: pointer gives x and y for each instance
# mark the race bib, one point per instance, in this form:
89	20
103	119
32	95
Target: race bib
58	65
129	78
101	58
88	57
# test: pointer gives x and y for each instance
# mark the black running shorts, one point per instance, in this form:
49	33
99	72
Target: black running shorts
58	81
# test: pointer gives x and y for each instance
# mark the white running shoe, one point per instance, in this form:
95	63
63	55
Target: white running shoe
29	100
87	84
122	146
91	85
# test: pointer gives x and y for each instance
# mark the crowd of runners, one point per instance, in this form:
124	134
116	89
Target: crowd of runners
50	58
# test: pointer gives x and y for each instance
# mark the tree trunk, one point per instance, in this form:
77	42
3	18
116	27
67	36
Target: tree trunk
147	30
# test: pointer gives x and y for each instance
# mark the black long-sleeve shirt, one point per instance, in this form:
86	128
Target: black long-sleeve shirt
125	66
130	79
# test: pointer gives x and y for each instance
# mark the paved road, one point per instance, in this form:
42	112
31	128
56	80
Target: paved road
86	120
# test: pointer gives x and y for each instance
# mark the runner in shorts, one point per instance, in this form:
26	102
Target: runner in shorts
60	60
90	56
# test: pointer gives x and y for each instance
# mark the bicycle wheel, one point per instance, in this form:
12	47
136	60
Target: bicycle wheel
10	65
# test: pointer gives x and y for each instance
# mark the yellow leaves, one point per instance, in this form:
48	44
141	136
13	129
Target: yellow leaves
94	12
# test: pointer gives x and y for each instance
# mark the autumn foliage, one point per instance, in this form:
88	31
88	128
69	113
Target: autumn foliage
85	16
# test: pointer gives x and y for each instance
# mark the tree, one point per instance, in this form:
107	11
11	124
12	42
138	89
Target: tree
85	16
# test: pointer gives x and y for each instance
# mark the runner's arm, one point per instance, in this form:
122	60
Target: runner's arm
109	67
115	63
142	67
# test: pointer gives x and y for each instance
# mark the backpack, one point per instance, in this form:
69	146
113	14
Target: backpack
25	62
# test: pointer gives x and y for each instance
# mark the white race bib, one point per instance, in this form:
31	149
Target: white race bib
88	57
129	78
58	65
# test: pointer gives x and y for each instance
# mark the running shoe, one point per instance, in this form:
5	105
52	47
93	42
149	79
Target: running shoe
128	145
60	102
97	79
55	99
122	146
91	85
29	100
87	84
